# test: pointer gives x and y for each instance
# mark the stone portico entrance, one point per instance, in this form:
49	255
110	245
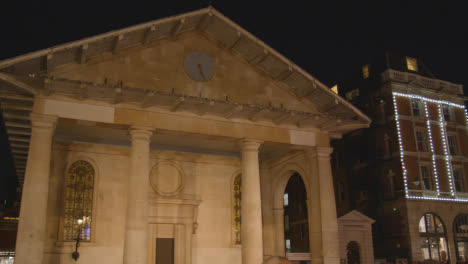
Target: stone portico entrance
164	134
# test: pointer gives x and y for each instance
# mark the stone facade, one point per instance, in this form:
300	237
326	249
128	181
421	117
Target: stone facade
165	148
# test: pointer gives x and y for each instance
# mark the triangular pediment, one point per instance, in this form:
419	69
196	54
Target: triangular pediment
142	65
282	85
167	67
356	216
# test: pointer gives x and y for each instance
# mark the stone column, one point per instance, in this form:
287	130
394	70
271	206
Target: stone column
323	222
136	225
279	231
188	243
251	205
32	224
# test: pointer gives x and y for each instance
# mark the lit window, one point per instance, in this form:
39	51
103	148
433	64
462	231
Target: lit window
433	239
426	178
447	113
351	95
416	106
365	71
459	181
286	199
78	200
461	229
335	89
452	144
421	141
412	64
288	244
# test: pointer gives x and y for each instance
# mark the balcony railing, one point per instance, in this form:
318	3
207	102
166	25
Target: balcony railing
428	83
433	194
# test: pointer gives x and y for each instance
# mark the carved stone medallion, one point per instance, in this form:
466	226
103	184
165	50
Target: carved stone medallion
166	178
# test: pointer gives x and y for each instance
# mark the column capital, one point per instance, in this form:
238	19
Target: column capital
320	152
141	132
249	144
43	121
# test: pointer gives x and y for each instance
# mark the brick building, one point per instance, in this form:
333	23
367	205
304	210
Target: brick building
408	171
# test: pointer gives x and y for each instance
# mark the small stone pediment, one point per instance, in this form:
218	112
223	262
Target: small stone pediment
356	216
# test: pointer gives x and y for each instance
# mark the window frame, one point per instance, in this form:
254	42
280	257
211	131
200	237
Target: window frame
427	234
366	71
412	64
419	108
431	177
60	239
456	146
459	220
460	170
425	146
450	113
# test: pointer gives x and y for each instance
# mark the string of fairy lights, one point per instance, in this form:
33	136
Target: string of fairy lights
434	164
448	164
447	156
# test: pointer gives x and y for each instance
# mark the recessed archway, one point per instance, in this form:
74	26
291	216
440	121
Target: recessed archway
296	225
353	253
433	237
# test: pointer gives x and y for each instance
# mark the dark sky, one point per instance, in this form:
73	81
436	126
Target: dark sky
326	38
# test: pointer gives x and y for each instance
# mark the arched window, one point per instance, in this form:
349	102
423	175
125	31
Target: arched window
237	193
460	230
433	238
296	227
353	255
78	201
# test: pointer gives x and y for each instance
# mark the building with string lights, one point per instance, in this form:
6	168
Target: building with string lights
409	170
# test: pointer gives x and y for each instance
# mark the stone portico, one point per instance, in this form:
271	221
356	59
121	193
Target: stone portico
165	148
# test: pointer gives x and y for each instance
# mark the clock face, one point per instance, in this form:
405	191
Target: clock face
199	66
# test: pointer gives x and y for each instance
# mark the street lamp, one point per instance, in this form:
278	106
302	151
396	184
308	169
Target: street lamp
76	254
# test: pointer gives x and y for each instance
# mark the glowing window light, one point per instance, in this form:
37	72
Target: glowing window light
397	121
448	164
434	165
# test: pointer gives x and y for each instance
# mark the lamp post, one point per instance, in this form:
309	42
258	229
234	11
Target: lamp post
76	254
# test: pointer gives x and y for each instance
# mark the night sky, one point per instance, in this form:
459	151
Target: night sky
326	38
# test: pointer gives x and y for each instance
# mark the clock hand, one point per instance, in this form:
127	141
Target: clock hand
201	72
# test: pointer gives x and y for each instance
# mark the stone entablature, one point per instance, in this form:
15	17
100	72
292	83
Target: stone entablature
432	84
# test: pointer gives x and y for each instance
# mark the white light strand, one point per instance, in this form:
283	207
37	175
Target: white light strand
443	134
466	116
429	99
400	143
434	165
447	157
438	199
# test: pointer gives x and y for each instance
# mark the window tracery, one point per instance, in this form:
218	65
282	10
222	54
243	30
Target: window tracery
433	238
78	200
237	209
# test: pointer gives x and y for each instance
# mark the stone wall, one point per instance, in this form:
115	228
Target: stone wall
207	179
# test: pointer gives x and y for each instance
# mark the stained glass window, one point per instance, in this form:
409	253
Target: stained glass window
237	209
78	201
